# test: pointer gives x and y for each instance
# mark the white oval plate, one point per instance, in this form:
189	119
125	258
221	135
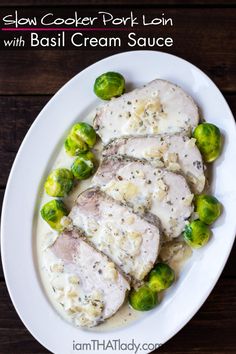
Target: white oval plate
72	103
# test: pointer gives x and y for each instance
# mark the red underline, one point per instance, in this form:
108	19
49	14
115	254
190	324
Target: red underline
64	29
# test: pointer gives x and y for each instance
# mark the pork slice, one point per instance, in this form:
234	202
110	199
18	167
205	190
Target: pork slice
85	282
177	153
147	189
156	108
131	241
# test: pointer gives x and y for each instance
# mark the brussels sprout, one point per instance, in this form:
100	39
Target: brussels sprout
143	299
209	141
109	85
83	166
81	137
52	212
161	277
196	234
85	132
74	145
59	182
208	208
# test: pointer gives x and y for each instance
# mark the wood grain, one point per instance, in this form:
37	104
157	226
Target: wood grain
192	3
6	159
2	191
17	114
204	33
210	327
13	334
206	45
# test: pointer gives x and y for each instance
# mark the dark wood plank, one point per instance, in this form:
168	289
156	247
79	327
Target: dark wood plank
204	36
14	337
6	161
212	330
228	272
17	114
118	2
231	100
46	70
1	200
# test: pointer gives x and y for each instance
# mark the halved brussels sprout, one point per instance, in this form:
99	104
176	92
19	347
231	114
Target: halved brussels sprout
208	140
59	182
85	132
74	145
84	165
197	234
143	299
52	212
207	207
161	277
81	137
109	85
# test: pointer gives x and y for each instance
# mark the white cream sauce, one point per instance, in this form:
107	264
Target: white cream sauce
46	236
156	108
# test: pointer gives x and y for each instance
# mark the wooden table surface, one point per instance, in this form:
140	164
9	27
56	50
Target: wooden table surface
205	34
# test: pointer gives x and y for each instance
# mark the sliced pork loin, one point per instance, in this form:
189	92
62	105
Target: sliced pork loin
147	188
131	241
156	108
177	153
85	282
